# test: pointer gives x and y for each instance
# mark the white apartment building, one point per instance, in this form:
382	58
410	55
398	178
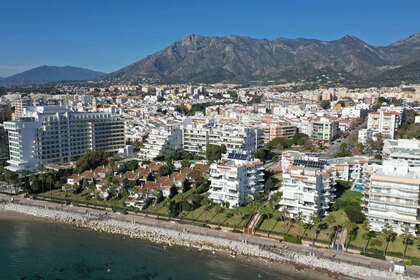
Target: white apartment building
385	123
235	179
324	129
53	134
308	185
365	134
161	141
392	195
406	149
196	137
349	168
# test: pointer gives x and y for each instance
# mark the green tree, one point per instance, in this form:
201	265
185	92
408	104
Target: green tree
352	234
389	236
214	152
150	177
159	197
186	186
318	229
325	104
185	163
368	237
91	160
407	238
173	191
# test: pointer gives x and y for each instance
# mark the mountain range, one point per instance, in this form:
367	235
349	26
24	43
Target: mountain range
47	74
238	58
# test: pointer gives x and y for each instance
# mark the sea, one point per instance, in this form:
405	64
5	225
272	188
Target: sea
36	249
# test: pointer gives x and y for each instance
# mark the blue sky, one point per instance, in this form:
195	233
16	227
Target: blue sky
107	35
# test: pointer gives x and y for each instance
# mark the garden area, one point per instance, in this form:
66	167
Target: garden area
346	214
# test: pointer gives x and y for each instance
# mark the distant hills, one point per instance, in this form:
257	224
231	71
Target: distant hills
48	74
234	58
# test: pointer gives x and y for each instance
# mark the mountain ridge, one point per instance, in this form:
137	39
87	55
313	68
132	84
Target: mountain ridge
47	74
198	58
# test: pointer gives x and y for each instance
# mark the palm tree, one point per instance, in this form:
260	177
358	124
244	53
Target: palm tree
407	238
368	236
389	236
322	226
352	234
299	221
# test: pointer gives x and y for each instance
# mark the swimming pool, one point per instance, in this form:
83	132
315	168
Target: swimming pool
358	187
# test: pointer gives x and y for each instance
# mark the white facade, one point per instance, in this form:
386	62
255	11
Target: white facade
324	129
195	137
365	134
407	149
385	123
307	185
349	168
53	134
392	195
235	179
161	141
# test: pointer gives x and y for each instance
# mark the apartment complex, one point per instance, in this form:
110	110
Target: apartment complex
235	179
279	129
406	149
384	122
392	195
196	136
161	141
53	134
20	104
349	168
308	185
324	129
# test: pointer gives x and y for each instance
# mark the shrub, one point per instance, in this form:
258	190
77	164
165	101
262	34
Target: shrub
373	255
292	239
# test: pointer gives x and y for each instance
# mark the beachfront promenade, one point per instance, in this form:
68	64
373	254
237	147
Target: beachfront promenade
335	261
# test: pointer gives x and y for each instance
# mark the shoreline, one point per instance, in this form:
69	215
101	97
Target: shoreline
183	237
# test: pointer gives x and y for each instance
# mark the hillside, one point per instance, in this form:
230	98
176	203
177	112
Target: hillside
47	74
210	59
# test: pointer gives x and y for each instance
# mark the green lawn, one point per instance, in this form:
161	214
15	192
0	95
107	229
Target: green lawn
339	217
84	197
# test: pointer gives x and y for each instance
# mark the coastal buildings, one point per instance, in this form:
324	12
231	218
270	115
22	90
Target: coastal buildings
349	168
196	136
308	185
235	179
53	134
391	195
161	141
406	149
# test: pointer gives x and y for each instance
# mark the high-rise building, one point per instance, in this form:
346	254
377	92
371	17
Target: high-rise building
20	104
407	149
384	122
235	178
308	185
279	129
391	195
324	129
162	141
196	137
53	134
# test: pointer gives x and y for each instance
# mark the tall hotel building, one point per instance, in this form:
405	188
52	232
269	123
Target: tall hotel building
53	134
392	195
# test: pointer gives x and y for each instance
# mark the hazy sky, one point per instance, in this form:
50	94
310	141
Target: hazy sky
107	35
